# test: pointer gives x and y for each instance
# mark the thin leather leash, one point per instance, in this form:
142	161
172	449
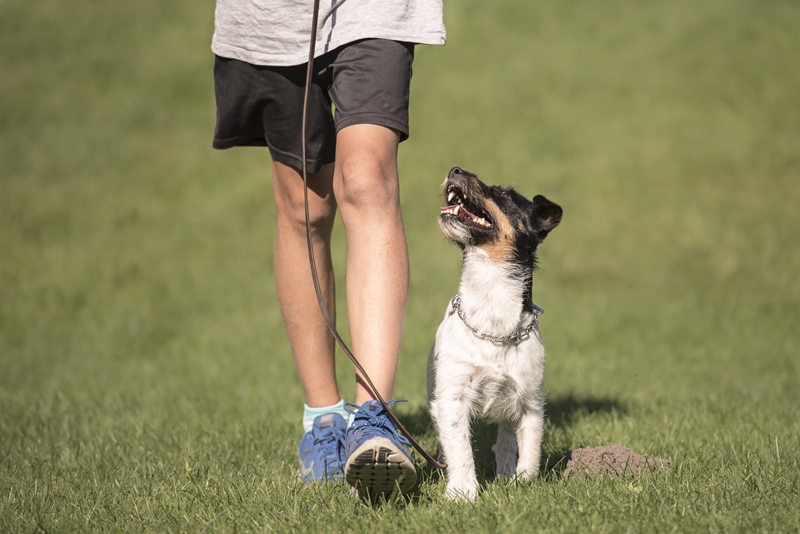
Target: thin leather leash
312	260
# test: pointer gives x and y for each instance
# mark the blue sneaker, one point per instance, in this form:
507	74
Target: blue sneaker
377	463
321	450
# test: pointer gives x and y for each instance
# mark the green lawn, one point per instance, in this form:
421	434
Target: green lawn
145	382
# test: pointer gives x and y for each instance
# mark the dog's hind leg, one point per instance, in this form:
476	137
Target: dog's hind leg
505	449
529	438
430	374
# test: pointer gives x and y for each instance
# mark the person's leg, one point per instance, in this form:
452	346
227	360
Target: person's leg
311	342
370	89
262	106
368	196
367	192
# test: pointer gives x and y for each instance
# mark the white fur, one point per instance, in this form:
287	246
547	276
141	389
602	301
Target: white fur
469	377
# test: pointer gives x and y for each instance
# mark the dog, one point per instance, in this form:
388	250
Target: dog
487	360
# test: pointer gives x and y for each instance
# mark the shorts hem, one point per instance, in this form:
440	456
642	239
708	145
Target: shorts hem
254	139
378	119
312	165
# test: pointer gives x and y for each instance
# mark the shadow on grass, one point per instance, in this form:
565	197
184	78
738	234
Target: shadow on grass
419	423
562	412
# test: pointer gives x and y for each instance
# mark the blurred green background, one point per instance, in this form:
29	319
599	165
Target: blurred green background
145	382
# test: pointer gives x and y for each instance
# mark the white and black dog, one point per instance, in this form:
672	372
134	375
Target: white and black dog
488	359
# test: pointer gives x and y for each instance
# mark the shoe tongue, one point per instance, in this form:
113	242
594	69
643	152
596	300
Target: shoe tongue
329	425
327	421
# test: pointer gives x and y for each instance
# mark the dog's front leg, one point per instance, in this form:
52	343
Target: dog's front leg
462	483
529	438
505	449
453	425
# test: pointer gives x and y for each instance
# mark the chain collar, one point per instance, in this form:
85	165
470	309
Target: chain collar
522	333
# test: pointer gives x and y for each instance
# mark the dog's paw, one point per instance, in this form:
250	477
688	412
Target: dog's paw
462	492
526	475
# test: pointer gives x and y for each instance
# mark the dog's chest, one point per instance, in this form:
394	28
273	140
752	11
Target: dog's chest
499	396
499	383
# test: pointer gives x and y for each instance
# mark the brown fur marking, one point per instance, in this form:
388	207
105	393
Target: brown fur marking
500	249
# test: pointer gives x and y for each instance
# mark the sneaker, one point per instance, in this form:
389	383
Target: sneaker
321	450
377	462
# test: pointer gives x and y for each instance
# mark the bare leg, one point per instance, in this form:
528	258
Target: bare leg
311	342
368	195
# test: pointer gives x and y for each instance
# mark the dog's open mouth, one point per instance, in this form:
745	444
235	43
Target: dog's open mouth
459	206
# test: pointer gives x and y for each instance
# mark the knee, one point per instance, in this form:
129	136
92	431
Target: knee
291	215
368	183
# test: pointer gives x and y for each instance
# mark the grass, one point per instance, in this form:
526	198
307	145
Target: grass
145	383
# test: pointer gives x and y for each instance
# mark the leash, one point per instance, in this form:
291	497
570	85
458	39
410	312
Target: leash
312	260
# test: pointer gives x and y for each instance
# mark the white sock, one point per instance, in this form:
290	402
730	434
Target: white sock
309	413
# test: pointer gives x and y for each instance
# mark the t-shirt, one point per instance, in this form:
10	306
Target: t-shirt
277	32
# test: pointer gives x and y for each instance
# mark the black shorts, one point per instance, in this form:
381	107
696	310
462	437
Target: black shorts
367	81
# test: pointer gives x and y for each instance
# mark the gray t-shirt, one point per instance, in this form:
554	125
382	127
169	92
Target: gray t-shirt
277	32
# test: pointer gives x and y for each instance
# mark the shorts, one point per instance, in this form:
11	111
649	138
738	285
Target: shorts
367	82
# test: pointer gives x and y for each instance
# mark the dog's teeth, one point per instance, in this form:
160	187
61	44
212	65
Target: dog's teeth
451	195
456	210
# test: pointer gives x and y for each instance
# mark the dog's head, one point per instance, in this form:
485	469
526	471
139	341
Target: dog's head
502	222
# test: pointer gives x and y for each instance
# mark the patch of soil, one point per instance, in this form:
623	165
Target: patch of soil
611	461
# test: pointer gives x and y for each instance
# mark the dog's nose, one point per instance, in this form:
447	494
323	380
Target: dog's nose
455	171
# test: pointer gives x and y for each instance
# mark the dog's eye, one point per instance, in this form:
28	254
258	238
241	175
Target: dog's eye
499	191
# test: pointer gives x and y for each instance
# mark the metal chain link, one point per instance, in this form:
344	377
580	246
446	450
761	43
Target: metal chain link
520	334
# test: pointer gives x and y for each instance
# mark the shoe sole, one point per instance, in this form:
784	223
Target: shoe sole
378	468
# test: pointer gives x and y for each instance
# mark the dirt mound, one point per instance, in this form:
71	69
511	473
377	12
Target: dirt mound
612	461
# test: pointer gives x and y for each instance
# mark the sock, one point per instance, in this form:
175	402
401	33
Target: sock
309	413
350	418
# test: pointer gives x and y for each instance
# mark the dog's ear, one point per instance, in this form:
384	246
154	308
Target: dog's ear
548	215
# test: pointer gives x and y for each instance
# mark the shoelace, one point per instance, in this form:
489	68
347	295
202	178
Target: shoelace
379	419
330	446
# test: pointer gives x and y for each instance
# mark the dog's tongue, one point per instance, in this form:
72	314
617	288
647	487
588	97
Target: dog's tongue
458	210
